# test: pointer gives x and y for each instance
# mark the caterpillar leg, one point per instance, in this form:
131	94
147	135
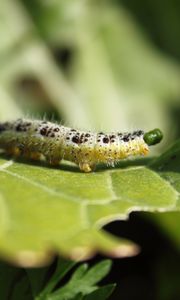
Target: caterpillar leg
85	167
53	161
145	151
35	156
14	151
32	155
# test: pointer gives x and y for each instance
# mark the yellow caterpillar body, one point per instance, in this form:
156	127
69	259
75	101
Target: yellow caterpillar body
34	139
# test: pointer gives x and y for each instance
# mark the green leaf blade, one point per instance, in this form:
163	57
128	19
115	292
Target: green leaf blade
46	208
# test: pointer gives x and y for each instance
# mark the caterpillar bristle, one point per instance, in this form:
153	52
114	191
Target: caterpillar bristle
54	142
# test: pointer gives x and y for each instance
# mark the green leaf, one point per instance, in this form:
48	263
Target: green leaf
79	273
78	297
62	268
97	272
101	293
82	282
62	209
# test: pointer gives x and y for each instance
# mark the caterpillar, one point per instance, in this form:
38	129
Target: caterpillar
36	139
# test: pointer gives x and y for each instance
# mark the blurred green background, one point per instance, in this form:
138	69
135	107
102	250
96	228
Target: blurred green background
100	65
92	64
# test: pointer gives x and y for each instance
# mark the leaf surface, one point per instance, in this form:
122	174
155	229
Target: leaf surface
46	210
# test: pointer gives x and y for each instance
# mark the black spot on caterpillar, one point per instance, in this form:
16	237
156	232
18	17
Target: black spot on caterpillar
33	139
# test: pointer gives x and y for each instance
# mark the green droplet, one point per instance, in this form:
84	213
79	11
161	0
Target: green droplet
153	137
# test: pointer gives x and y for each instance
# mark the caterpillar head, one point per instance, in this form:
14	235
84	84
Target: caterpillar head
153	137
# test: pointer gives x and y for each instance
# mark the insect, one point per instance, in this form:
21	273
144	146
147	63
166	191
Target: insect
34	139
